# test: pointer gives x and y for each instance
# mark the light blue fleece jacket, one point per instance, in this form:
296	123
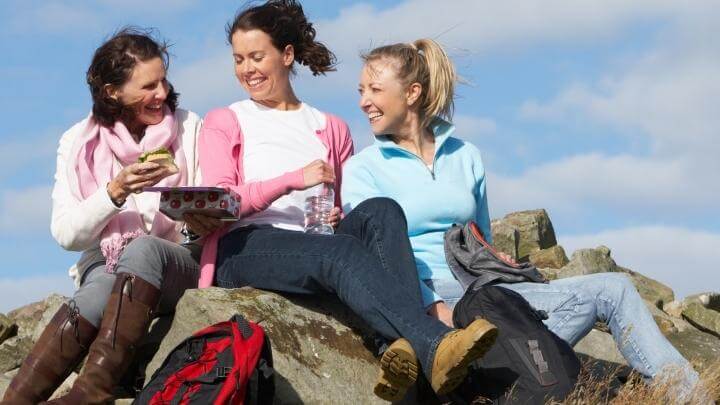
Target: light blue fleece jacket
452	191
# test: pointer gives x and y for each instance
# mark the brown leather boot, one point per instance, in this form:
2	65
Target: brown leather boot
125	321
61	347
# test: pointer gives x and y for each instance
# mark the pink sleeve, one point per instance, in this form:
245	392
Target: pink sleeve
342	140
220	147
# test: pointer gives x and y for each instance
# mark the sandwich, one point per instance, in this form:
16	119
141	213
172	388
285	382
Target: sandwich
160	156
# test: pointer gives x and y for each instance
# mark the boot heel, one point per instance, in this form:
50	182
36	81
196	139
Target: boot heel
398	371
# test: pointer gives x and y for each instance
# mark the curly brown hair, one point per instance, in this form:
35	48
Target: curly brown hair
113	64
286	24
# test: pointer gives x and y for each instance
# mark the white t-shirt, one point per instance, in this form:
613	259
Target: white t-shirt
276	142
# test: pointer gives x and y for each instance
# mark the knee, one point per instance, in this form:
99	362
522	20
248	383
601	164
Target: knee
387	207
347	243
141	248
617	285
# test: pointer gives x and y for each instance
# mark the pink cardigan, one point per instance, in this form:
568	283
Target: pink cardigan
220	148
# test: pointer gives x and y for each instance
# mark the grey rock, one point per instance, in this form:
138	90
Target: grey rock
318	348
549	274
588	261
505	238
704	319
701	349
535	231
673	308
52	304
29	317
650	289
8	328
12	352
664	321
601	346
65	387
552	258
709	300
599	260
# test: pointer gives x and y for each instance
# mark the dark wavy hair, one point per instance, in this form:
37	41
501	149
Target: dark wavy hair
113	64
285	22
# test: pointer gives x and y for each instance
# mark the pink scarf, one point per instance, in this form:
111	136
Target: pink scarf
100	153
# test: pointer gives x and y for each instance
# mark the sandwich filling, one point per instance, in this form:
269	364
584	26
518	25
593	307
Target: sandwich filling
161	156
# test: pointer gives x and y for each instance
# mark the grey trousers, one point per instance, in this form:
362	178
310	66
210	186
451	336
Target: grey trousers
171	267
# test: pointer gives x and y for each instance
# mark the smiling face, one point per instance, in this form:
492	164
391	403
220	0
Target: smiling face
262	69
385	99
145	92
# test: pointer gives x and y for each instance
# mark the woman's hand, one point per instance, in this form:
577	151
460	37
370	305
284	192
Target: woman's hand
318	172
133	178
202	224
334	218
441	311
506	257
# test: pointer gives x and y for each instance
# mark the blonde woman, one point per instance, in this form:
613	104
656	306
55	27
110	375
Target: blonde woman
407	92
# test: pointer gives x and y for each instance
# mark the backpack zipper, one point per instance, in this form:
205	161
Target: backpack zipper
478	236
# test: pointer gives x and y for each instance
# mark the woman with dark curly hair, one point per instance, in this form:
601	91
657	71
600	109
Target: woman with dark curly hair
272	148
131	264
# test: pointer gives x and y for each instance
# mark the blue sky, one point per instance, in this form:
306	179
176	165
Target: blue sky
604	112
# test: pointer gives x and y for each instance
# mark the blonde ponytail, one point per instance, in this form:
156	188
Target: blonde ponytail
440	89
426	62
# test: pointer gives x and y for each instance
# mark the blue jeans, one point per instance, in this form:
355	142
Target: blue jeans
368	264
574	305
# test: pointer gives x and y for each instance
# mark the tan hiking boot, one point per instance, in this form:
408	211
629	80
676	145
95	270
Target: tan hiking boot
398	371
457	350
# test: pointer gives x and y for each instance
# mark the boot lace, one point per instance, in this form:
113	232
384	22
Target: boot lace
71	317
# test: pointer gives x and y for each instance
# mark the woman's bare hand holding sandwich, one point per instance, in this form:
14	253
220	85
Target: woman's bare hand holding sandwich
133	178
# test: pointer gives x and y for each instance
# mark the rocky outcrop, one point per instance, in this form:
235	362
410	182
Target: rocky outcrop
588	261
322	351
650	289
8	328
702	318
708	300
320	348
534	232
550	258
505	238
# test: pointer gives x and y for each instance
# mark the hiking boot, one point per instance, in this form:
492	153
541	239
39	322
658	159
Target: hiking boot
398	371
457	350
58	351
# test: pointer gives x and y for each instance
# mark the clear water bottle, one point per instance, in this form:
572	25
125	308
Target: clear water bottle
317	210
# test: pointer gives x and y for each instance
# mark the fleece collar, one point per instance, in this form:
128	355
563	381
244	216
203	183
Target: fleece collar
439	127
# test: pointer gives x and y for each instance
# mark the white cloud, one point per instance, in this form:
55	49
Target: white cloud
143	6
36	152
667	96
670	95
678	257
25	210
631	185
16	292
56	17
471	124
465	27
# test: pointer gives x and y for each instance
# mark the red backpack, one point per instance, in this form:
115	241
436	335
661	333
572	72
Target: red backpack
226	363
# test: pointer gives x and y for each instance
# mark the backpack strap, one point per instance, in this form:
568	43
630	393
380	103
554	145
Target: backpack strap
245	330
546	376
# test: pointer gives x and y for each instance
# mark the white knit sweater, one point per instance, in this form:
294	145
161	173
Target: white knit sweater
77	225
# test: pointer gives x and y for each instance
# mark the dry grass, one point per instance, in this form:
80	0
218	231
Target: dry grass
595	390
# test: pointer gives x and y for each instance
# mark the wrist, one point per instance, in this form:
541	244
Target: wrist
117	196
